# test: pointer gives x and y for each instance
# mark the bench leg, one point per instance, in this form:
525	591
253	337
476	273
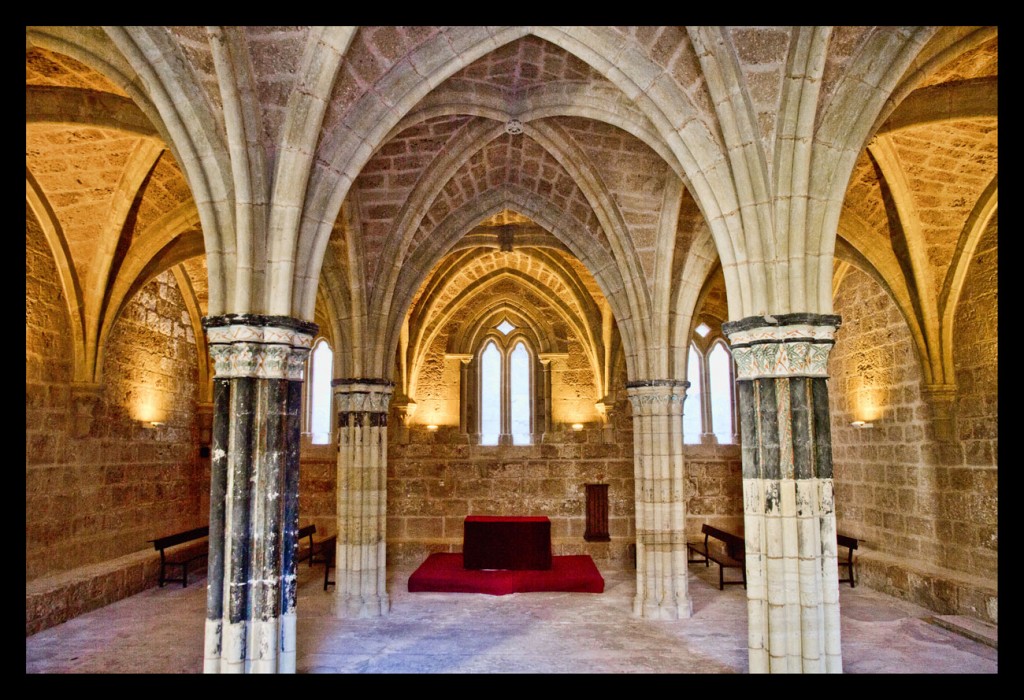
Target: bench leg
721	577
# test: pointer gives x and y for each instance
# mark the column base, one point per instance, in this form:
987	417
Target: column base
650	610
351	606
212	645
289	651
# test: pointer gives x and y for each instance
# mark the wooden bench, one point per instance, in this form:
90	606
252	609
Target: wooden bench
323	551
729	556
308	552
181	558
327	550
851	544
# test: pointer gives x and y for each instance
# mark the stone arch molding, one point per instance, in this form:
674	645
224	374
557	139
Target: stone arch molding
381	112
566	229
116	269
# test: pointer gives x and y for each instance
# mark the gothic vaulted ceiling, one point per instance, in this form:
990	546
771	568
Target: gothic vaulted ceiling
525	143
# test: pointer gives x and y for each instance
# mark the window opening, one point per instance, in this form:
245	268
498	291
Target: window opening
692	407
320	384
720	383
490	394
519	394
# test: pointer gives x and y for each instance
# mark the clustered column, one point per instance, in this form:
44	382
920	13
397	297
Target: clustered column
789	513
661	585
254	488
362	406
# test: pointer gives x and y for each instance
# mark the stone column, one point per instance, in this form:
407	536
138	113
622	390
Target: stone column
464	397
789	513
464	390
406	408
661	585
254	488
84	399
942	398
360	576
545	363
606	409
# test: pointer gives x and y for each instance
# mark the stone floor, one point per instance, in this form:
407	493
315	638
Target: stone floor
161	631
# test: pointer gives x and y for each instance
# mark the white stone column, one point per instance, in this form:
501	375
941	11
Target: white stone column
361	572
789	511
661	583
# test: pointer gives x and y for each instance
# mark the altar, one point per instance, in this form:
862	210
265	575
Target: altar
506	542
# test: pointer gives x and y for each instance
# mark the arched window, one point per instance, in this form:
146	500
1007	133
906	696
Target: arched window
490	394
520	394
506	391
693	424
720	388
709	413
321	365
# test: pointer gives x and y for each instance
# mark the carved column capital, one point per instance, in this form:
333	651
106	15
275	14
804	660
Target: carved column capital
252	345
84	398
942	399
362	395
656	395
789	345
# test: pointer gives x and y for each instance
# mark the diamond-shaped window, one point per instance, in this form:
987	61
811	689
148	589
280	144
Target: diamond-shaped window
505	327
703	330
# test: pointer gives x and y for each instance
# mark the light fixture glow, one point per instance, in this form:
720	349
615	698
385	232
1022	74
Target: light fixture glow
431	428
577	427
861	424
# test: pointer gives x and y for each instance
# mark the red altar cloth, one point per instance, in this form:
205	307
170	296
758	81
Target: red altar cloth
506	542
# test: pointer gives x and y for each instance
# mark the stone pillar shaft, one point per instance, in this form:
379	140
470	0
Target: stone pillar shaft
661	584
546	391
361	572
789	511
464	393
258	361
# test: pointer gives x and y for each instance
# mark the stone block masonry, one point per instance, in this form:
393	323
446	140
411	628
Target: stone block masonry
101	494
926	515
98	489
437	478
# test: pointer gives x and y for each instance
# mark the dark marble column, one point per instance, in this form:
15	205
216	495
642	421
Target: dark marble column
258	361
789	513
361	565
661	575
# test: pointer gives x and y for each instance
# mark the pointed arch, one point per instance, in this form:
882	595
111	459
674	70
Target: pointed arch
66	272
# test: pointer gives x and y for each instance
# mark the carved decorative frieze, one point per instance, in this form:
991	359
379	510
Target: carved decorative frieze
790	345
266	347
645	395
362	395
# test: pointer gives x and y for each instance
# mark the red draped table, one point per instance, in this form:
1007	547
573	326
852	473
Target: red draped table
506	542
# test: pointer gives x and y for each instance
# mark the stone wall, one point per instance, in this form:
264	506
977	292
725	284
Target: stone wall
714	488
98	483
438	478
318	497
970	481
925	513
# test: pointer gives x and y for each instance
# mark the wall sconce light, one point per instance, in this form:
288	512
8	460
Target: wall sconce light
431	428
577	427
862	424
152	424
